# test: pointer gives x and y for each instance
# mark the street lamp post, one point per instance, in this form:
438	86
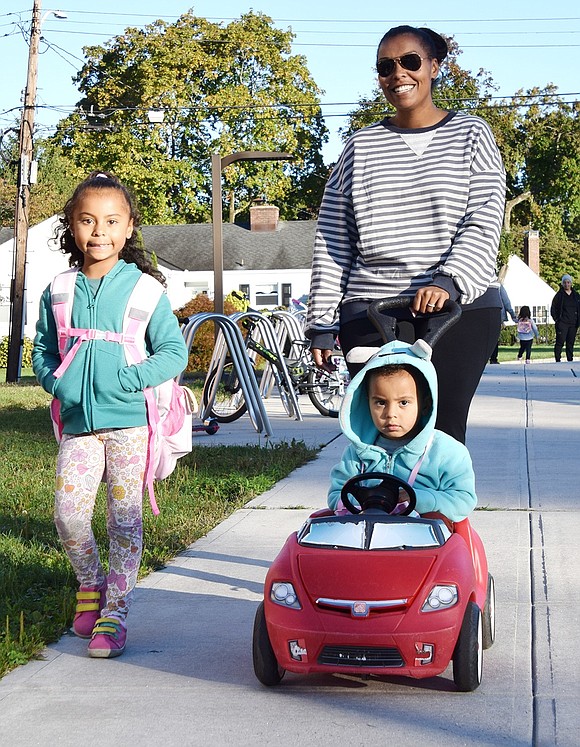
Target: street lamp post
24	180
218	164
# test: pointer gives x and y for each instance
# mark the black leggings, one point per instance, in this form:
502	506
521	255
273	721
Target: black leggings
525	347
459	358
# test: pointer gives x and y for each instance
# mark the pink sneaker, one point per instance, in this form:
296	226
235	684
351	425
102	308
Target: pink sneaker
90	602
108	640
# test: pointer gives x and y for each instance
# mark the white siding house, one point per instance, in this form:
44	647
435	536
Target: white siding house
272	267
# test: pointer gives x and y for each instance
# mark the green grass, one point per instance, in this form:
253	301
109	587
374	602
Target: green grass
509	353
37	586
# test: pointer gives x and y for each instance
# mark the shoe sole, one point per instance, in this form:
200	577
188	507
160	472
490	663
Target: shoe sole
105	653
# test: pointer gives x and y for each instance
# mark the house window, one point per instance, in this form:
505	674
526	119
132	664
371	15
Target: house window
195	289
267	295
286	294
244	288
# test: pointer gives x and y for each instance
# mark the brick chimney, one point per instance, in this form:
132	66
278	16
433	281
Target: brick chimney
264	218
532	250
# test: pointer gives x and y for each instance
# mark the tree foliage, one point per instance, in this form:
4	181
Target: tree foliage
221	89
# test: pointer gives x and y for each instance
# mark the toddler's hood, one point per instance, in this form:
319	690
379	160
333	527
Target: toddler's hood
355	417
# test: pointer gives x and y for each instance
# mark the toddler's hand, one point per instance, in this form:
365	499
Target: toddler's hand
403	496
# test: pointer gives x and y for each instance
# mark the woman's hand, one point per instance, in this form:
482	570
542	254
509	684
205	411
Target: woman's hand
322	359
429	299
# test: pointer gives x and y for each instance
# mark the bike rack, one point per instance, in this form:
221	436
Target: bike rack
268	334
230	340
289	326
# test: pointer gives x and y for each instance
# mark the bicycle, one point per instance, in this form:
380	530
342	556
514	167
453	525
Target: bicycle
324	389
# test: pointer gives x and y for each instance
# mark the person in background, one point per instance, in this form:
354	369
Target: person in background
527	330
413	208
564	310
506	308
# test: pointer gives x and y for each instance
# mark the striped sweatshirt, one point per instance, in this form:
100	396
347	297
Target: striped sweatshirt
392	221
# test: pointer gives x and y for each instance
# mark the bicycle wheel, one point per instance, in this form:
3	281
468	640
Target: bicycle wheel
326	389
229	403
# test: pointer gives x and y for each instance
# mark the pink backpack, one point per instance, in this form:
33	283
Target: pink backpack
170	407
524	326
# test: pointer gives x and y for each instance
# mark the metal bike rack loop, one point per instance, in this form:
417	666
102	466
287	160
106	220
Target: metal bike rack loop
230	342
265	329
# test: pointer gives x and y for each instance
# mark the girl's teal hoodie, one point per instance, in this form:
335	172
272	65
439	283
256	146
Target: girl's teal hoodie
99	390
445	481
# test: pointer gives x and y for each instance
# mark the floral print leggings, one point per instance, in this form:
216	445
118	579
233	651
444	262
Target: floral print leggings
80	466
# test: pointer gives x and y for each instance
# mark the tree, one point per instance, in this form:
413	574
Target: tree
57	177
221	89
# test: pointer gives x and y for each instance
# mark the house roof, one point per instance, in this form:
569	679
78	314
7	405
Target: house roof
190	247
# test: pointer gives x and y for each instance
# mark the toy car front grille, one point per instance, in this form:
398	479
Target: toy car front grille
360	656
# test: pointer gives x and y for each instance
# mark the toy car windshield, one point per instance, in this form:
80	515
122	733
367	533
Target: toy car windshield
358	533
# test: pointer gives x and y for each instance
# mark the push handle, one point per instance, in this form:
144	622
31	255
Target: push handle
434	325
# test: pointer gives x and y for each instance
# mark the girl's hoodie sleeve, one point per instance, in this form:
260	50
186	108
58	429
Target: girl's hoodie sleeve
349	466
45	356
168	352
450	483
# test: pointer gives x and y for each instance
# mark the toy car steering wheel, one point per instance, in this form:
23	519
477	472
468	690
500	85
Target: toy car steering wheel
383	496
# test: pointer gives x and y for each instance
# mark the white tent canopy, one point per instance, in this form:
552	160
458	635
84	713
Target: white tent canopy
525	288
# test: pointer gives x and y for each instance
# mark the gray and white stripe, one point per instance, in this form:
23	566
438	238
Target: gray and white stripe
391	219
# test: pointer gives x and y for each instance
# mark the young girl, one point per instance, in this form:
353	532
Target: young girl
102	405
527	330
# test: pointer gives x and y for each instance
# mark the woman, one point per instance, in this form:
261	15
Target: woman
413	208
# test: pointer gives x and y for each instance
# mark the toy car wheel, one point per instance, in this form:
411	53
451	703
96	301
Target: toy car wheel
468	654
489	614
266	667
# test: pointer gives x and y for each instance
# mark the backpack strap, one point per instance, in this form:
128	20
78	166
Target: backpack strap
140	307
62	293
417	466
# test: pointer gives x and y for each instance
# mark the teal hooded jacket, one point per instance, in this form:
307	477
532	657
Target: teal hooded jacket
99	390
445	481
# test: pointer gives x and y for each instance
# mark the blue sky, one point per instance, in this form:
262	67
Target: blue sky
521	43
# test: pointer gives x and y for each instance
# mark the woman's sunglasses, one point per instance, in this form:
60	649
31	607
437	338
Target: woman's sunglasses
411	61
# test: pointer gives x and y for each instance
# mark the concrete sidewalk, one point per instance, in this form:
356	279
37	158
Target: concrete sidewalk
186	677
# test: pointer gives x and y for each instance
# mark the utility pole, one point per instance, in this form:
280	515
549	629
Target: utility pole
17	291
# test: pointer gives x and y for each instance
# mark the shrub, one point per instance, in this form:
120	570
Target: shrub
203	342
26	353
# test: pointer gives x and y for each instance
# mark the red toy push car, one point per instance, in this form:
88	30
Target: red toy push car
373	593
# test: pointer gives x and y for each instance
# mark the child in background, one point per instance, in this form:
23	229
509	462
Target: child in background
102	405
388	414
526	330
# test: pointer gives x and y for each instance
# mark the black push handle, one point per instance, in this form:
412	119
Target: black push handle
437	324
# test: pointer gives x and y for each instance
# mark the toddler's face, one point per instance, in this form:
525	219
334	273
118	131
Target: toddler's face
394	403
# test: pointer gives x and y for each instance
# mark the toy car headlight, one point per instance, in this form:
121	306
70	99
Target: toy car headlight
440	598
282	593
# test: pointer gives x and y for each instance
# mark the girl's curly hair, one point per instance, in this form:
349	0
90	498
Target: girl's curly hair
133	249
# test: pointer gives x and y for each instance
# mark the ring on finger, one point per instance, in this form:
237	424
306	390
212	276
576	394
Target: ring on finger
432	305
